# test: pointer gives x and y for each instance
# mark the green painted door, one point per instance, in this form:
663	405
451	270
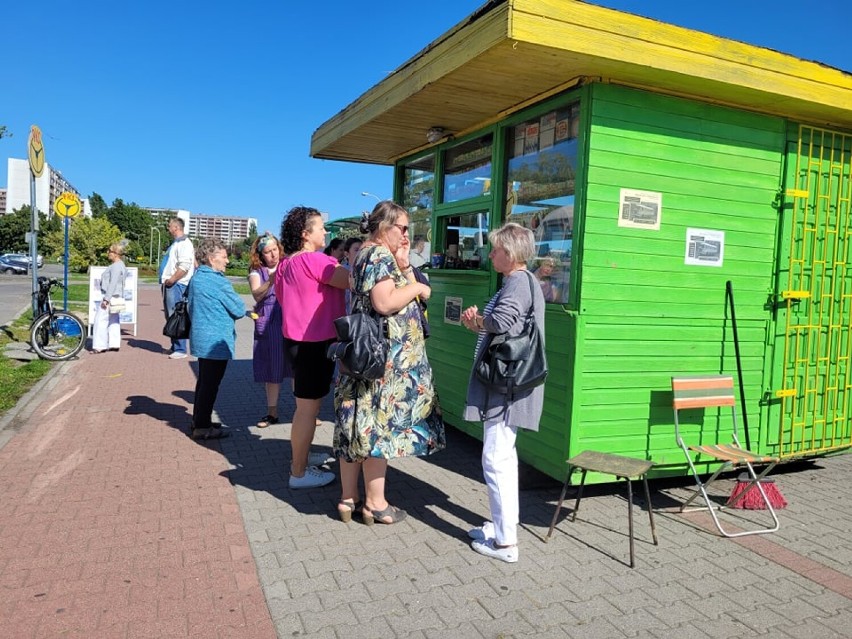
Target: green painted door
811	398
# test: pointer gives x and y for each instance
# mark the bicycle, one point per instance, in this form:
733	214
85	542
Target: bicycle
54	335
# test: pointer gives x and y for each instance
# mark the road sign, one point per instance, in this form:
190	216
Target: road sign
67	205
35	151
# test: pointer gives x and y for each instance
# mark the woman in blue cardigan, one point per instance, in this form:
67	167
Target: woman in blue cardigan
214	307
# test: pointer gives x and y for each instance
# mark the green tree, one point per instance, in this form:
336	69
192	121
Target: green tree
98	205
15	226
88	242
134	221
4	133
13	229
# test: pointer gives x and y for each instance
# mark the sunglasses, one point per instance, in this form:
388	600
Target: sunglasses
403	229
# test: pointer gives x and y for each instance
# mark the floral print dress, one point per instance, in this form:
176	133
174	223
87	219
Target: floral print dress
397	415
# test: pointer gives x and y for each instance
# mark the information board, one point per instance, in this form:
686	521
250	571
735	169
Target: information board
131	286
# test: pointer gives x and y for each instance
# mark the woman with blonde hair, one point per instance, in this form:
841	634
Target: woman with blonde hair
269	361
512	246
106	328
397	415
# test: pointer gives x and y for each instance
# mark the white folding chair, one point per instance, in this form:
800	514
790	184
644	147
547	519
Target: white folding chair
712	391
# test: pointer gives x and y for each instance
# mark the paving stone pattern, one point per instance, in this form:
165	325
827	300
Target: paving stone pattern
114	524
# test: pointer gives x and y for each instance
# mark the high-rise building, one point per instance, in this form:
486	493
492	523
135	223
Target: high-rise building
48	187
226	228
161	214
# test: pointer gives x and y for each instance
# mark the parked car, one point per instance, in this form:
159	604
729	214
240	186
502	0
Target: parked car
9	265
23	257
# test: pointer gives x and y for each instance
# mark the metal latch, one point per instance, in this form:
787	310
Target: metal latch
795	295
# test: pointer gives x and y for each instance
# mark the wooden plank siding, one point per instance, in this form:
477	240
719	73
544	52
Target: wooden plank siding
450	351
645	314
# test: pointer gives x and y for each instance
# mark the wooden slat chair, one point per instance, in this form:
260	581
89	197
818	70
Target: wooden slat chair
711	391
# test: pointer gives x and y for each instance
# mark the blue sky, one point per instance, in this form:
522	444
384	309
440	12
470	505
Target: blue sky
210	107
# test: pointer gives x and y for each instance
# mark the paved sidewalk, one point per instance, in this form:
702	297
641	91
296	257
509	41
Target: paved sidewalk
114	524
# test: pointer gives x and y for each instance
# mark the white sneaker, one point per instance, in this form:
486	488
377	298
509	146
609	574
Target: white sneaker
318	459
177	355
487	548
313	478
485	531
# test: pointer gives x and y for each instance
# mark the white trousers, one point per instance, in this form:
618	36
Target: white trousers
106	330
500	468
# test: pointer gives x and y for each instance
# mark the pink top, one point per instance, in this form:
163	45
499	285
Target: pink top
309	305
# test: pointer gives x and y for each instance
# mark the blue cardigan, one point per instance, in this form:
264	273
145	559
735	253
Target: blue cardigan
214	306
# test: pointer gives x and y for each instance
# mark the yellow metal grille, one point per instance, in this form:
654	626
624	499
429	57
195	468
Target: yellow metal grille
817	347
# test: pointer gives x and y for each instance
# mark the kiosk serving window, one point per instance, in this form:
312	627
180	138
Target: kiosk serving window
541	164
418	188
465	241
467	169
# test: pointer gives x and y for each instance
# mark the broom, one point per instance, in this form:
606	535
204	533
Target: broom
752	500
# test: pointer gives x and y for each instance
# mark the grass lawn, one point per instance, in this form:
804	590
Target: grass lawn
16	378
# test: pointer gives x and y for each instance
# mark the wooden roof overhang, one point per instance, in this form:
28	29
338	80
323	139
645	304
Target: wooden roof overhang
513	53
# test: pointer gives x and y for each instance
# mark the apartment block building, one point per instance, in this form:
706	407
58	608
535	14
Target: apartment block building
226	228
48	187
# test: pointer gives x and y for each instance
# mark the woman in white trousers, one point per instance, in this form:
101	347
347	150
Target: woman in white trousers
512	246
106	329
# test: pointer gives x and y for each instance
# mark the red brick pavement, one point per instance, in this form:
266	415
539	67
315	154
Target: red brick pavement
113	523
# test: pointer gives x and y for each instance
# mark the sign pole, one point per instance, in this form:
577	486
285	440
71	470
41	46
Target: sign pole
66	206
65	271
34	243
35	154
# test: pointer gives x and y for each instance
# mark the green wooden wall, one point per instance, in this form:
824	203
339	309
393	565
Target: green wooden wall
644	315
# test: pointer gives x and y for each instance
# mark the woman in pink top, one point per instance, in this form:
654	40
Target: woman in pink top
310	288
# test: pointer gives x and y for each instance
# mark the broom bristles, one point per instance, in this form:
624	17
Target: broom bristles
752	499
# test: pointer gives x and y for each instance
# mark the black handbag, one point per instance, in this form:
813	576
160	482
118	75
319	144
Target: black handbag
361	350
513	365
177	326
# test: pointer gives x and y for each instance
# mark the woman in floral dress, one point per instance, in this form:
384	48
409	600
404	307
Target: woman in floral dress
397	415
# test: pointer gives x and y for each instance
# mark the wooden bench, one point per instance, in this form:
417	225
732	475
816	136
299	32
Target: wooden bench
626	468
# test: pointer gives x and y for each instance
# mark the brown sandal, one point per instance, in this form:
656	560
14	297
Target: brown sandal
347	508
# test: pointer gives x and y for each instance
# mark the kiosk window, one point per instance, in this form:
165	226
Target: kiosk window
467	169
465	242
418	193
542	158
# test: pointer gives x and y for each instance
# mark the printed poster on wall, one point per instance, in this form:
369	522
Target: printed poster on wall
131	285
640	209
452	310
704	247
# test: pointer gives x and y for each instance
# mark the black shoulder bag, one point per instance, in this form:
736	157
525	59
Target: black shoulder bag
513	365
361	349
177	326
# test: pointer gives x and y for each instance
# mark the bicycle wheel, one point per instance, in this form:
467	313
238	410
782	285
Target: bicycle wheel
57	337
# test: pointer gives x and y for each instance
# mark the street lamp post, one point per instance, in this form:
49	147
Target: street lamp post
151	246
365	194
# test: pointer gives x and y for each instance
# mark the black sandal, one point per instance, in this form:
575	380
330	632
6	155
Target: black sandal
396	515
268	420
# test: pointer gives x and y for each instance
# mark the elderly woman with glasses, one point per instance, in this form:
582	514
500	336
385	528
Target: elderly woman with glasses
214	308
106	328
397	415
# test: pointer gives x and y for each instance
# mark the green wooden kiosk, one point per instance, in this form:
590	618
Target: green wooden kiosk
654	164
